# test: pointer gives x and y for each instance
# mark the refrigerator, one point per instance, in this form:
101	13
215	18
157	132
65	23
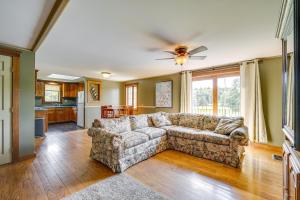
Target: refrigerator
80	109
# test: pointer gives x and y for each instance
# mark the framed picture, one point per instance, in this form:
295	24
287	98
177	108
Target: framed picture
164	94
93	91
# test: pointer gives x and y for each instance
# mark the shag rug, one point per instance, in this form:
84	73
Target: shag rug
118	187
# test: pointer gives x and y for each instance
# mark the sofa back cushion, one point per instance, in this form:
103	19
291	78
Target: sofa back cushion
227	125
160	120
138	121
118	125
174	118
209	122
190	120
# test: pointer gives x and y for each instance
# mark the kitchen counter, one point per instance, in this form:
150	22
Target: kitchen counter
52	106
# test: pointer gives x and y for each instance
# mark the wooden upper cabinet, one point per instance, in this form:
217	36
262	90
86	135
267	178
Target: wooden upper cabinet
39	88
69	89
73	89
65	90
80	87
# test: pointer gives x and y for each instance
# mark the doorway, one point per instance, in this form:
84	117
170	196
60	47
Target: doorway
5	109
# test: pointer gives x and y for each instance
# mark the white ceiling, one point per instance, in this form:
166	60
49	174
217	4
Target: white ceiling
92	36
21	21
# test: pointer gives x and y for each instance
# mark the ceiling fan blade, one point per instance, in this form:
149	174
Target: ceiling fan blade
197	50
164	58
171	52
161	37
197	57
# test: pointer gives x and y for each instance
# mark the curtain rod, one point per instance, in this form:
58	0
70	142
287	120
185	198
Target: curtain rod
227	66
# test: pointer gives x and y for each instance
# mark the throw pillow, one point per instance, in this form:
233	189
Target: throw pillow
226	126
160	120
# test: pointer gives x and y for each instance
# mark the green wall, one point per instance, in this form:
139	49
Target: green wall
146	93
27	100
270	77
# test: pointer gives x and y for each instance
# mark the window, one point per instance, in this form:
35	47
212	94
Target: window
131	95
52	93
216	92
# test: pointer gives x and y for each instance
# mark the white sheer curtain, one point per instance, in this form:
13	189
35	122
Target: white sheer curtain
251	102
186	92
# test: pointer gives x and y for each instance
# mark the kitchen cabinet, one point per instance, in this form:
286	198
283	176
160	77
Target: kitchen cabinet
73	89
65	87
39	88
73	114
62	114
80	87
69	89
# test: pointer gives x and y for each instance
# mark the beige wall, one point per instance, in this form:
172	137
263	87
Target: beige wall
146	93
270	76
111	95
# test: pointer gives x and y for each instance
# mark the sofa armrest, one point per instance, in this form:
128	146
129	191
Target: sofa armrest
110	139
240	136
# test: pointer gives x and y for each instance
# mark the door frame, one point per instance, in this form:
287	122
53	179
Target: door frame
15	99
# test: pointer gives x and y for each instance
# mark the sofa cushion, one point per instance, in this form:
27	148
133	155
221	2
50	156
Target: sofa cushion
200	135
152	132
191	120
209	122
118	125
227	125
138	121
174	118
132	138
160	120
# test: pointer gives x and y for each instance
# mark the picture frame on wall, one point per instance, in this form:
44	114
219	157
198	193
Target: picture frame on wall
93	91
164	94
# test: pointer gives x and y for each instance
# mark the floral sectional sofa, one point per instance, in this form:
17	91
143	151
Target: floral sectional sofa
123	142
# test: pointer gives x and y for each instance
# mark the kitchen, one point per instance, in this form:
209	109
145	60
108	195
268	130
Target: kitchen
59	104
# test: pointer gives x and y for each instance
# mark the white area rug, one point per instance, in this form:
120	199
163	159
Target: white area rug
118	187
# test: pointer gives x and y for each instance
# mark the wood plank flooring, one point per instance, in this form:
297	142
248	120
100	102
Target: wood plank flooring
62	166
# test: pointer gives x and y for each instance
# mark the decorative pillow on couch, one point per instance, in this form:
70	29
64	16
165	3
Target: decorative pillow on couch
118	125
227	125
160	120
138	121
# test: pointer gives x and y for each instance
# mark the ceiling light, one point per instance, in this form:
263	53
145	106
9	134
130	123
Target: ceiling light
64	77
106	74
180	60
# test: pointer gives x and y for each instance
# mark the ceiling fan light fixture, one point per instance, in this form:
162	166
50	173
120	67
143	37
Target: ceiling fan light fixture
180	60
106	74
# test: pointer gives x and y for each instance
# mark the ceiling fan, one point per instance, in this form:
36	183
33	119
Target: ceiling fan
181	54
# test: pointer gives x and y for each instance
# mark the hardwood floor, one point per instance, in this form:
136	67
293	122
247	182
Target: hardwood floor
62	166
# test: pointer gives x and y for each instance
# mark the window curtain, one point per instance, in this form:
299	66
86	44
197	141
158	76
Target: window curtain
251	102
290	94
186	92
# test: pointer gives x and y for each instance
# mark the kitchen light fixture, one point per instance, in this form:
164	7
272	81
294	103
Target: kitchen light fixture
64	77
106	74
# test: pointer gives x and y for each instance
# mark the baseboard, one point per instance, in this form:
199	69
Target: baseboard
266	146
26	157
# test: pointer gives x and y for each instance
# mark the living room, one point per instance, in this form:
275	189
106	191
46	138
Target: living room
149	100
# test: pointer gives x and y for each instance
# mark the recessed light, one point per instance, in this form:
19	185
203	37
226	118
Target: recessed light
64	77
106	74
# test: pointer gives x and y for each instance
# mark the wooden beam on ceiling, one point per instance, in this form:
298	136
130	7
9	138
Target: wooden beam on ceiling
54	14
